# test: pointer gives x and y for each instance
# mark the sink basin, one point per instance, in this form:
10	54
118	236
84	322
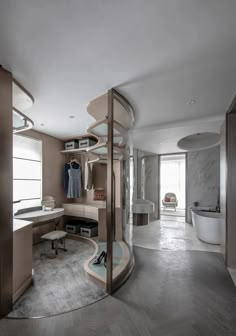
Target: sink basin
141	206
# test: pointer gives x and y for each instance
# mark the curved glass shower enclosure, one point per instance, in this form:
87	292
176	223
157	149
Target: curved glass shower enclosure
114	119
119	217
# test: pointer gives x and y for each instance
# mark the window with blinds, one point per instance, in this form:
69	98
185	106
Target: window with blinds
27	172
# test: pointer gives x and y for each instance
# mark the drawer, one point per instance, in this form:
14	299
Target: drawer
91	215
74	210
81	210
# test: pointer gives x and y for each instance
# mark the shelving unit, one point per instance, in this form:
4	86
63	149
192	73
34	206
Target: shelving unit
123	111
98	151
21	100
99	129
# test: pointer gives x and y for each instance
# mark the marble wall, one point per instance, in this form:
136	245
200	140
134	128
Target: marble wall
203	178
151	182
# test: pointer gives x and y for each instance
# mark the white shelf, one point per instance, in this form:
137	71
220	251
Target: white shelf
21	99
123	111
78	150
21	122
100	130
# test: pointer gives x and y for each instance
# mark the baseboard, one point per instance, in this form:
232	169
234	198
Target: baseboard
22	289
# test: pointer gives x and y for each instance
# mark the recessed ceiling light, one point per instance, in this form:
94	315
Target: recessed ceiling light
191	101
41	124
71	117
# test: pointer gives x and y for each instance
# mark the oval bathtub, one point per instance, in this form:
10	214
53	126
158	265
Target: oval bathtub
208	226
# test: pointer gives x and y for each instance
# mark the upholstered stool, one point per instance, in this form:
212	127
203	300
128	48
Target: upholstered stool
56	236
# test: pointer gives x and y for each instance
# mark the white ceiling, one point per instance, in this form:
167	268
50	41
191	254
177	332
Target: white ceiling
158	53
163	139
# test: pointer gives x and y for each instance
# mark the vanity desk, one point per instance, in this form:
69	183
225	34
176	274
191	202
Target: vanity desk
39	217
43	221
23	225
22	257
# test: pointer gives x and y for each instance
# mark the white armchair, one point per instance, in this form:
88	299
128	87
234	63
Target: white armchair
170	201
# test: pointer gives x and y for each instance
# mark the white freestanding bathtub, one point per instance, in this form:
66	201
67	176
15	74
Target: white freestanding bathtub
208	226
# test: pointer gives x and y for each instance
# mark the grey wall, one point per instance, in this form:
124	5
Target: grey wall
203	178
138	171
151	182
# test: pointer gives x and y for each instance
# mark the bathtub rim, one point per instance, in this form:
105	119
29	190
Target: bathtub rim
208	214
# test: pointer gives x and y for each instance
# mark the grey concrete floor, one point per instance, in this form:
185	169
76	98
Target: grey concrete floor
171	212
60	284
170	293
170	235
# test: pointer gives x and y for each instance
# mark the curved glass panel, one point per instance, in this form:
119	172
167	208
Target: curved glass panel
122	228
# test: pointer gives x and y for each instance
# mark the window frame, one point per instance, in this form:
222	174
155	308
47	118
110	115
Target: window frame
19	207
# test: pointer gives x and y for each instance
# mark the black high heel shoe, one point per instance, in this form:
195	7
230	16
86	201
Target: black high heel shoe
105	259
98	260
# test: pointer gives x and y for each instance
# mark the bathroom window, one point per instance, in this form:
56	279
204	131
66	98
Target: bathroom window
27	172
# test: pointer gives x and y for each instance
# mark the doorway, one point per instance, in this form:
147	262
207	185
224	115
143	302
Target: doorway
173	187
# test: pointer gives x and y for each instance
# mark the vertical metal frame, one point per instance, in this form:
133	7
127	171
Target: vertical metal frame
110	192
110	205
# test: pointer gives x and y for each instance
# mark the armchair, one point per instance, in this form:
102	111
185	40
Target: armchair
170	201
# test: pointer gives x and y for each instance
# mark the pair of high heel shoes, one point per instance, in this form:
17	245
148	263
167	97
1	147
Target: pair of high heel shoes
99	259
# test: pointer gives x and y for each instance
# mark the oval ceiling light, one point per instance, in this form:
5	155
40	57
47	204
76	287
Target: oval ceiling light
199	141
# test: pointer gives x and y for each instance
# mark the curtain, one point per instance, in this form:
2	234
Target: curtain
173	179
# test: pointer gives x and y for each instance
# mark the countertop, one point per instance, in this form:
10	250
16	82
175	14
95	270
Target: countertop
95	205
20	224
41	215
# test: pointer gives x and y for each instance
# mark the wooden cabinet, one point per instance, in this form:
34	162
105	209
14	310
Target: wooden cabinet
22	257
95	212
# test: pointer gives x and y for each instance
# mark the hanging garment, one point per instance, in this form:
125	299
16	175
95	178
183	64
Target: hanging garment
88	183
74	185
67	166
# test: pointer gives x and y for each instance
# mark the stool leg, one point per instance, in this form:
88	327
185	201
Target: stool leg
53	245
56	243
64	244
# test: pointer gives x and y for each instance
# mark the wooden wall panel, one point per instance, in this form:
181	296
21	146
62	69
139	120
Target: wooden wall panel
231	190
6	218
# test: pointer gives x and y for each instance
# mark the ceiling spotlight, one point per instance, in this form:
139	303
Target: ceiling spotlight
191	101
71	117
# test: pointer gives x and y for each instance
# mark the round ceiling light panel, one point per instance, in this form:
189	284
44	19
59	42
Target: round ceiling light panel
199	141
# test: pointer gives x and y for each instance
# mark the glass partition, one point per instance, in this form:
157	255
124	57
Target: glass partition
119	196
